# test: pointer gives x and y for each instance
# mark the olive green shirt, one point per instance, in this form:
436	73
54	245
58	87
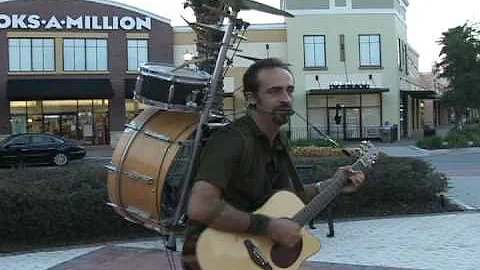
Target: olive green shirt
245	185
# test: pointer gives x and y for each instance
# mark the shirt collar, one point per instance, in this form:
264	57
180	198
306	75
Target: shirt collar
280	142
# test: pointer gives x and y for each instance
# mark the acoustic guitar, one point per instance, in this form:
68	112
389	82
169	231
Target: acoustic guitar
217	250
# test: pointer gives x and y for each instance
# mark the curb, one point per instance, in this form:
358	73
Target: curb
423	151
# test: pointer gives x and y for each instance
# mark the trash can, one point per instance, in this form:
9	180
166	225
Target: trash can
429	130
387	133
394	133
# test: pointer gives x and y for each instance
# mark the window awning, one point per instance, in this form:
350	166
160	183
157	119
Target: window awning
352	91
40	89
421	94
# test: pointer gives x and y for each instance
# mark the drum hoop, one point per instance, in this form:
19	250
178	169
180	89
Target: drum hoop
203	78
167	107
127	149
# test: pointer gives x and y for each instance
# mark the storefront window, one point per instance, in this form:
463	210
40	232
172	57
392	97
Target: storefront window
84	120
133	108
34	116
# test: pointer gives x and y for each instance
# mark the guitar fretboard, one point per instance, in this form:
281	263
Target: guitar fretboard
326	195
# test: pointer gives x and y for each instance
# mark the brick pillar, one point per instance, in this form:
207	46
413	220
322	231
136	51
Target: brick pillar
118	62
4	104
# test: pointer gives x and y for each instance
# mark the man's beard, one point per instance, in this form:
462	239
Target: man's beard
280	116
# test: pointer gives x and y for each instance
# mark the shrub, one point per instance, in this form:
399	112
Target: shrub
431	142
311	142
57	205
395	185
457	139
52	206
454	138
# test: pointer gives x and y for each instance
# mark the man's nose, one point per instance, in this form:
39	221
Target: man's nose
286	96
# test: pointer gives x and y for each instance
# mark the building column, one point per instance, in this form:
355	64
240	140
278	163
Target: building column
4	110
4	103
117	111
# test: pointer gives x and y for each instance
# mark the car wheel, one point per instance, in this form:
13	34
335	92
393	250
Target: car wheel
60	159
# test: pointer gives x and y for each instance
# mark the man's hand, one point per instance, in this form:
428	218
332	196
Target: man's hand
356	179
284	232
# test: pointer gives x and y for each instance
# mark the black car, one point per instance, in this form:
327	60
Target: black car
29	148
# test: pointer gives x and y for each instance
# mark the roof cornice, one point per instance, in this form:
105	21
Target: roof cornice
119	5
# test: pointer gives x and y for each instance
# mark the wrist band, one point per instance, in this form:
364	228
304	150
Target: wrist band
258	224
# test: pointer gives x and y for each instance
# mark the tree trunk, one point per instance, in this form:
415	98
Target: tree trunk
209	42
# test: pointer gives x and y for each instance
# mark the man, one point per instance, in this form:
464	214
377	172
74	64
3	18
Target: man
228	189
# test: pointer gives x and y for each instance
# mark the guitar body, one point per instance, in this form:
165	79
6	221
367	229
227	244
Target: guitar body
218	250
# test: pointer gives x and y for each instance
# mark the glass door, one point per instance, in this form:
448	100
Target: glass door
51	124
352	123
336	130
68	124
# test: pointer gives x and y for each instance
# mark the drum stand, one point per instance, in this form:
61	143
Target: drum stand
204	118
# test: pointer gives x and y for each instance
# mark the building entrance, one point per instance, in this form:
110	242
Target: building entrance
83	120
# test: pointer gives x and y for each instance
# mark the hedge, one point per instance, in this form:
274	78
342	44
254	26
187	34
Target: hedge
50	206
58	206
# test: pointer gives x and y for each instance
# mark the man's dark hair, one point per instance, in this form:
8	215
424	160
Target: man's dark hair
250	78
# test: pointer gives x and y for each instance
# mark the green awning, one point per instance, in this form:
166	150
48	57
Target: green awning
41	89
421	94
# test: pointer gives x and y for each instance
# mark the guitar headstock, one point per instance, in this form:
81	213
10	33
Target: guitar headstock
368	154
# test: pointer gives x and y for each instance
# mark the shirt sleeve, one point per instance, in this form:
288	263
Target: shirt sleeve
219	158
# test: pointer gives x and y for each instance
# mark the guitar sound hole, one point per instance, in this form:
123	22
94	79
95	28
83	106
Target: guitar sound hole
285	257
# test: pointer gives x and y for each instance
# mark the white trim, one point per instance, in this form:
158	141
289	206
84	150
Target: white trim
270	26
119	5
334	7
299	12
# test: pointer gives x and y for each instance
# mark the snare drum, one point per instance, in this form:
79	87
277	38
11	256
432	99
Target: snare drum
171	88
148	167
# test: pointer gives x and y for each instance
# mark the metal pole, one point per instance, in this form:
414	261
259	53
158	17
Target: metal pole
219	67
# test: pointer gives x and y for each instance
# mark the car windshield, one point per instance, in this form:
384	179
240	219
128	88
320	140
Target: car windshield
18	140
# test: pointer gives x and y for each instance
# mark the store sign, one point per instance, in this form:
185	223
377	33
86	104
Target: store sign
23	21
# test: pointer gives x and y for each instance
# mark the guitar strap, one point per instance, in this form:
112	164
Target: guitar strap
248	157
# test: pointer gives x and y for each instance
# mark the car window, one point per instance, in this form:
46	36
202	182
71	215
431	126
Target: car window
19	140
43	140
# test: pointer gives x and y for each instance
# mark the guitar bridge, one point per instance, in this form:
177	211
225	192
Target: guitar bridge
256	256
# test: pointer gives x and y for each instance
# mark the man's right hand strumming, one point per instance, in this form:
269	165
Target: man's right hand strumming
284	232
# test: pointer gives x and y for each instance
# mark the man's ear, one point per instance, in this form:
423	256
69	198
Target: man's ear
250	100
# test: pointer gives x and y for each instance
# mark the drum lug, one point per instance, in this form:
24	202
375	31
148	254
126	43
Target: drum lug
158	136
110	167
144	215
135	175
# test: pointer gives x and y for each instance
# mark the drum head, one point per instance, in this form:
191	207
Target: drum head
174	74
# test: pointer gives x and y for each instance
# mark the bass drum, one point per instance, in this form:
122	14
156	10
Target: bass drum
148	167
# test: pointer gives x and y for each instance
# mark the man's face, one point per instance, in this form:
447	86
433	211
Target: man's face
275	94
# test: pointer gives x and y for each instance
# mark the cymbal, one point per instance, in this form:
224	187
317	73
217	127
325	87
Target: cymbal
208	27
252	5
254	59
202	27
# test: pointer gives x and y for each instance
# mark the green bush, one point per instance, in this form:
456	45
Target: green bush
430	142
457	139
468	136
395	185
53	206
47	206
311	142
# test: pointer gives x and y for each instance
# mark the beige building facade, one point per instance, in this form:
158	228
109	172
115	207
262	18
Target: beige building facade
354	68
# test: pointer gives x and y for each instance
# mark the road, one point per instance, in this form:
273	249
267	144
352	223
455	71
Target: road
463	170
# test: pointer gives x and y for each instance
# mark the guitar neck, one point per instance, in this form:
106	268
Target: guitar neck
326	195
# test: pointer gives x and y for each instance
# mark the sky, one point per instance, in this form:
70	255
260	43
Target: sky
426	20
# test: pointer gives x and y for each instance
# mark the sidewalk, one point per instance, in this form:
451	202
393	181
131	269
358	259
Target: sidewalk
439	242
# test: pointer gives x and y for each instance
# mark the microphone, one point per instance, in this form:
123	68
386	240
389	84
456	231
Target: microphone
325	136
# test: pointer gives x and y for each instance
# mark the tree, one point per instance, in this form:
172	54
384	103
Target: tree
460	65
